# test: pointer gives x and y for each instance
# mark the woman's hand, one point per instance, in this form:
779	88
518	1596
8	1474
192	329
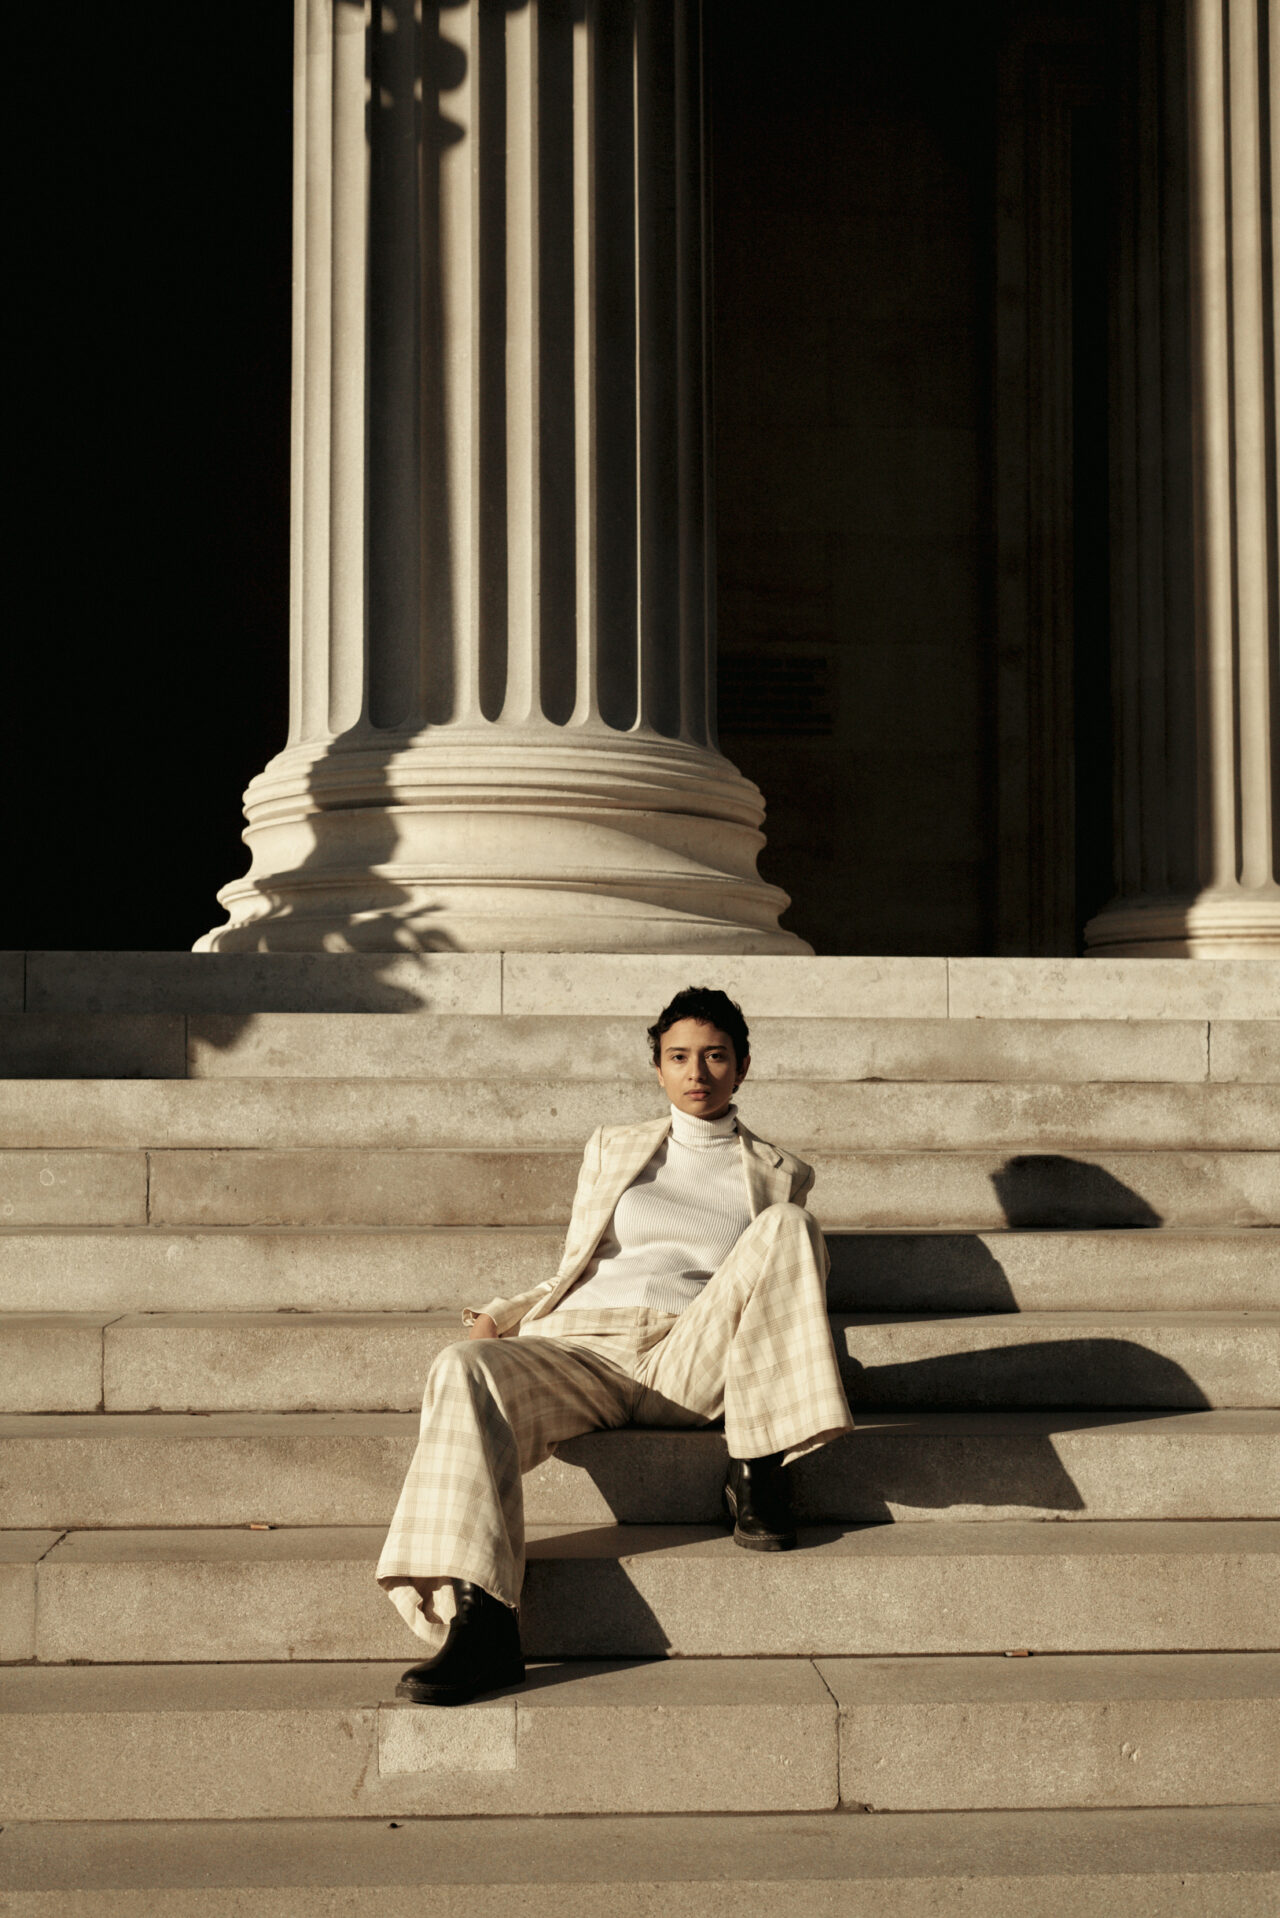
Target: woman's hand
483	1327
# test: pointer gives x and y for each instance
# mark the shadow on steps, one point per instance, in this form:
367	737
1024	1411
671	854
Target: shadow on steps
1048	1189
1039	1375
959	1271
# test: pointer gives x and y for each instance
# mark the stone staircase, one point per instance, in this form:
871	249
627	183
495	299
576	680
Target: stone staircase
242	1201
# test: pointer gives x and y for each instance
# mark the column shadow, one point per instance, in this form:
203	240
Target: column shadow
378	916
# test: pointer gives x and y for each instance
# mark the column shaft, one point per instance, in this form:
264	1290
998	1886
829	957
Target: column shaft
1198	663
502	712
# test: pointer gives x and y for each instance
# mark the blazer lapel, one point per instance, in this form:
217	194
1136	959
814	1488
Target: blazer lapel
624	1156
768	1181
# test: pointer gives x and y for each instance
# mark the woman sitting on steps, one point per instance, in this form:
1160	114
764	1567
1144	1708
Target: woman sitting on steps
692	1287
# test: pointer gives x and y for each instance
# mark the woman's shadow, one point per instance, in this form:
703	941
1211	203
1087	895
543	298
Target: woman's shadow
1032	1388
1057	1385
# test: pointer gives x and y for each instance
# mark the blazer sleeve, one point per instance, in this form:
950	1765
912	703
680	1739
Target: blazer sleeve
803	1182
800	1190
508	1313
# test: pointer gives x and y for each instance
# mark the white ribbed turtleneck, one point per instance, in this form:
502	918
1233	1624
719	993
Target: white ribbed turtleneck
677	1221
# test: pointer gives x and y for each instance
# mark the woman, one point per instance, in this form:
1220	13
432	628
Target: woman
692	1287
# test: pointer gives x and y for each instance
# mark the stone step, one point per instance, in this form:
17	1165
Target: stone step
356	1187
960	1734
508	1114
87	1045
331	1741
1087	1359
689	1735
312	1469
20	1553
1218	1862
616	985
414	1188
73	1188
391	1269
376	1362
208	1596
386	1046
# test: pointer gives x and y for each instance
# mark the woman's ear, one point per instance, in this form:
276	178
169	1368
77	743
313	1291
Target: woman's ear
743	1068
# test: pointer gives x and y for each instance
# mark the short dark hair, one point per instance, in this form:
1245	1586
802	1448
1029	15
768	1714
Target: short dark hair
713	1008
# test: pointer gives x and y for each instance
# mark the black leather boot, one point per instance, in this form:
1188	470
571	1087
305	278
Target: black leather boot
481	1653
758	1501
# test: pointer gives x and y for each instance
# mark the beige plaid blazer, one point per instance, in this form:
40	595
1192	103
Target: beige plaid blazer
615	1155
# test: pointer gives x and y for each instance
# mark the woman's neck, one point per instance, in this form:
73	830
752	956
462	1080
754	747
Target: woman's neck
686	1129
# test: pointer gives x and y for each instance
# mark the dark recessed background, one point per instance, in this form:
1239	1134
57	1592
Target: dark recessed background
149	642
148	670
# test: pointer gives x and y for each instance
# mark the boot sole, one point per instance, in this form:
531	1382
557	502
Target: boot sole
770	1542
459	1694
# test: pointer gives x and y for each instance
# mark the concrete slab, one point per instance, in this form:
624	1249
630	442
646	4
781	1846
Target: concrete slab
393	1269
255	1741
508	1115
1093	1359
1113	988
352	1187
624	1592
273	1361
1023	1118
20	1553
1055	1270
966	1733
51	1362
207	1595
1218	1862
1245	1051
288	1114
252	982
891	1590
1057	1189
548	1046
373	1362
228	1469
387	1046
90	1045
73	1188
637	985
874	1189
272	1268
984	1469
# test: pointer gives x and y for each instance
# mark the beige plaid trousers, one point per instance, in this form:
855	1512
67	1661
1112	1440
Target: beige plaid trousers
755	1348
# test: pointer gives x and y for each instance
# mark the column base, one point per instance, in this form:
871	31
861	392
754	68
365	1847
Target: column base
1231	923
479	841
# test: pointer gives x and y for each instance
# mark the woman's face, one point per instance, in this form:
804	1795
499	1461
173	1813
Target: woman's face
697	1069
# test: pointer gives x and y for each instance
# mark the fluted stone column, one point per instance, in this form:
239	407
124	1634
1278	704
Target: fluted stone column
502	728
1198	660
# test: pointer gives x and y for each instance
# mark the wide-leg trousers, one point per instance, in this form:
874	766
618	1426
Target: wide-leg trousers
755	1348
